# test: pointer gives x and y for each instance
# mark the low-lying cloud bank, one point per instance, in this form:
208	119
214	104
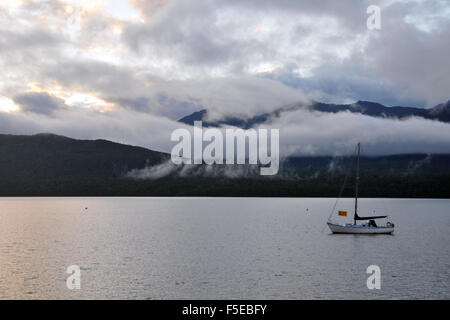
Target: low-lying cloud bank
123	126
302	132
314	133
288	169
168	168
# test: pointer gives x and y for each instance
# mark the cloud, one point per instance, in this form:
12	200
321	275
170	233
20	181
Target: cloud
303	132
246	95
322	47
168	168
33	39
316	43
123	126
92	75
414	58
228	56
219	37
348	88
39	102
148	7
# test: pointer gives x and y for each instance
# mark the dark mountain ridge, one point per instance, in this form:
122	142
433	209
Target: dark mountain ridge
51	165
48	156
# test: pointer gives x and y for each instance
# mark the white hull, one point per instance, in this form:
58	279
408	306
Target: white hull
359	229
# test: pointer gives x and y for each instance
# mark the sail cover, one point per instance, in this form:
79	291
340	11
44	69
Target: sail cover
368	218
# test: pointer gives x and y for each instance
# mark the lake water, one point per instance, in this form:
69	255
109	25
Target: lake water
218	248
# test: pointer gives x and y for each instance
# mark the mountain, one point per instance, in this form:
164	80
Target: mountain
51	165
440	112
48	156
369	108
202	115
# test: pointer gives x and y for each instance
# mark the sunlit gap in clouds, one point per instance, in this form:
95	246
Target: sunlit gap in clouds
119	9
73	97
7	105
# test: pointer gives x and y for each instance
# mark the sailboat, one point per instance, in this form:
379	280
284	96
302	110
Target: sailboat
370	226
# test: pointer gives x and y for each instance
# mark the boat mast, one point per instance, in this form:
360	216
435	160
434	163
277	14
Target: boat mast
356	185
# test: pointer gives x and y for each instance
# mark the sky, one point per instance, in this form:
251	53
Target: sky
126	70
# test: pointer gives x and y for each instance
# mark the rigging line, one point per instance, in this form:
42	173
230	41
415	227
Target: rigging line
341	191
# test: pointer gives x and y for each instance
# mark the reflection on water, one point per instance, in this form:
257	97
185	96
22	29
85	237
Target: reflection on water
218	248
